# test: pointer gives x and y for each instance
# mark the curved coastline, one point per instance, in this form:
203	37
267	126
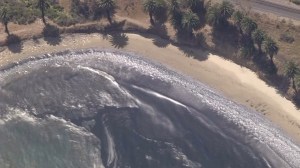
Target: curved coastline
239	84
140	74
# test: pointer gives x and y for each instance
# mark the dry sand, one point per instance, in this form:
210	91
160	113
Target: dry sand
238	83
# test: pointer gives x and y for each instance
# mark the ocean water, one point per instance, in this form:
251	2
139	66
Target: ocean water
98	108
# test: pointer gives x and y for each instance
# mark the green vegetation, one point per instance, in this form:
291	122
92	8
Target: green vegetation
154	8
176	15
291	70
14	11
237	18
57	14
190	21
270	47
248	26
218	14
258	37
286	37
186	17
195	5
108	6
26	11
43	5
4	20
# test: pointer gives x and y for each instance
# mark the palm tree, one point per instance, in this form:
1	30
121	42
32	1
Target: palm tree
297	80
291	70
248	26
153	7
237	18
5	19
218	14
246	50
109	6
150	7
213	15
176	20
195	5
270	47
190	21
43	5
258	37
174	5
176	15
226	10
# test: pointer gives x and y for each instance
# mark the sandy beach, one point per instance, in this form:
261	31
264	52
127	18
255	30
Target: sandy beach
235	82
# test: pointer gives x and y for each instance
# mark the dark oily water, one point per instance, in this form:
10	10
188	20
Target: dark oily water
94	109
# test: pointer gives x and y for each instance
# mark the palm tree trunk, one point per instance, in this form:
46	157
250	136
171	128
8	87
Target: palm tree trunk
190	31
6	28
151	18
240	29
271	59
294	85
108	16
259	49
43	16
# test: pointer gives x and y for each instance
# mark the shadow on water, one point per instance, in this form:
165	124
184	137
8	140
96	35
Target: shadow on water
118	40
15	44
51	35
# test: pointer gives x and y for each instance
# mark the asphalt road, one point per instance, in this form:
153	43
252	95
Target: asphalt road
274	8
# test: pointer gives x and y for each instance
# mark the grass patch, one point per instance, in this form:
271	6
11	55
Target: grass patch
286	37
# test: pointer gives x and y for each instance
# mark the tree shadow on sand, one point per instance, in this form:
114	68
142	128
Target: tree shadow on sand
198	54
36	40
105	35
161	30
296	99
115	26
264	64
162	43
192	46
14	43
119	40
52	35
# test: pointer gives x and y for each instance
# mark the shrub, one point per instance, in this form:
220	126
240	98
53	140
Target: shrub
286	37
19	14
246	51
65	20
57	14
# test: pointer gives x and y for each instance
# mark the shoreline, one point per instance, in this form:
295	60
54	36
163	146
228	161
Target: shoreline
233	81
